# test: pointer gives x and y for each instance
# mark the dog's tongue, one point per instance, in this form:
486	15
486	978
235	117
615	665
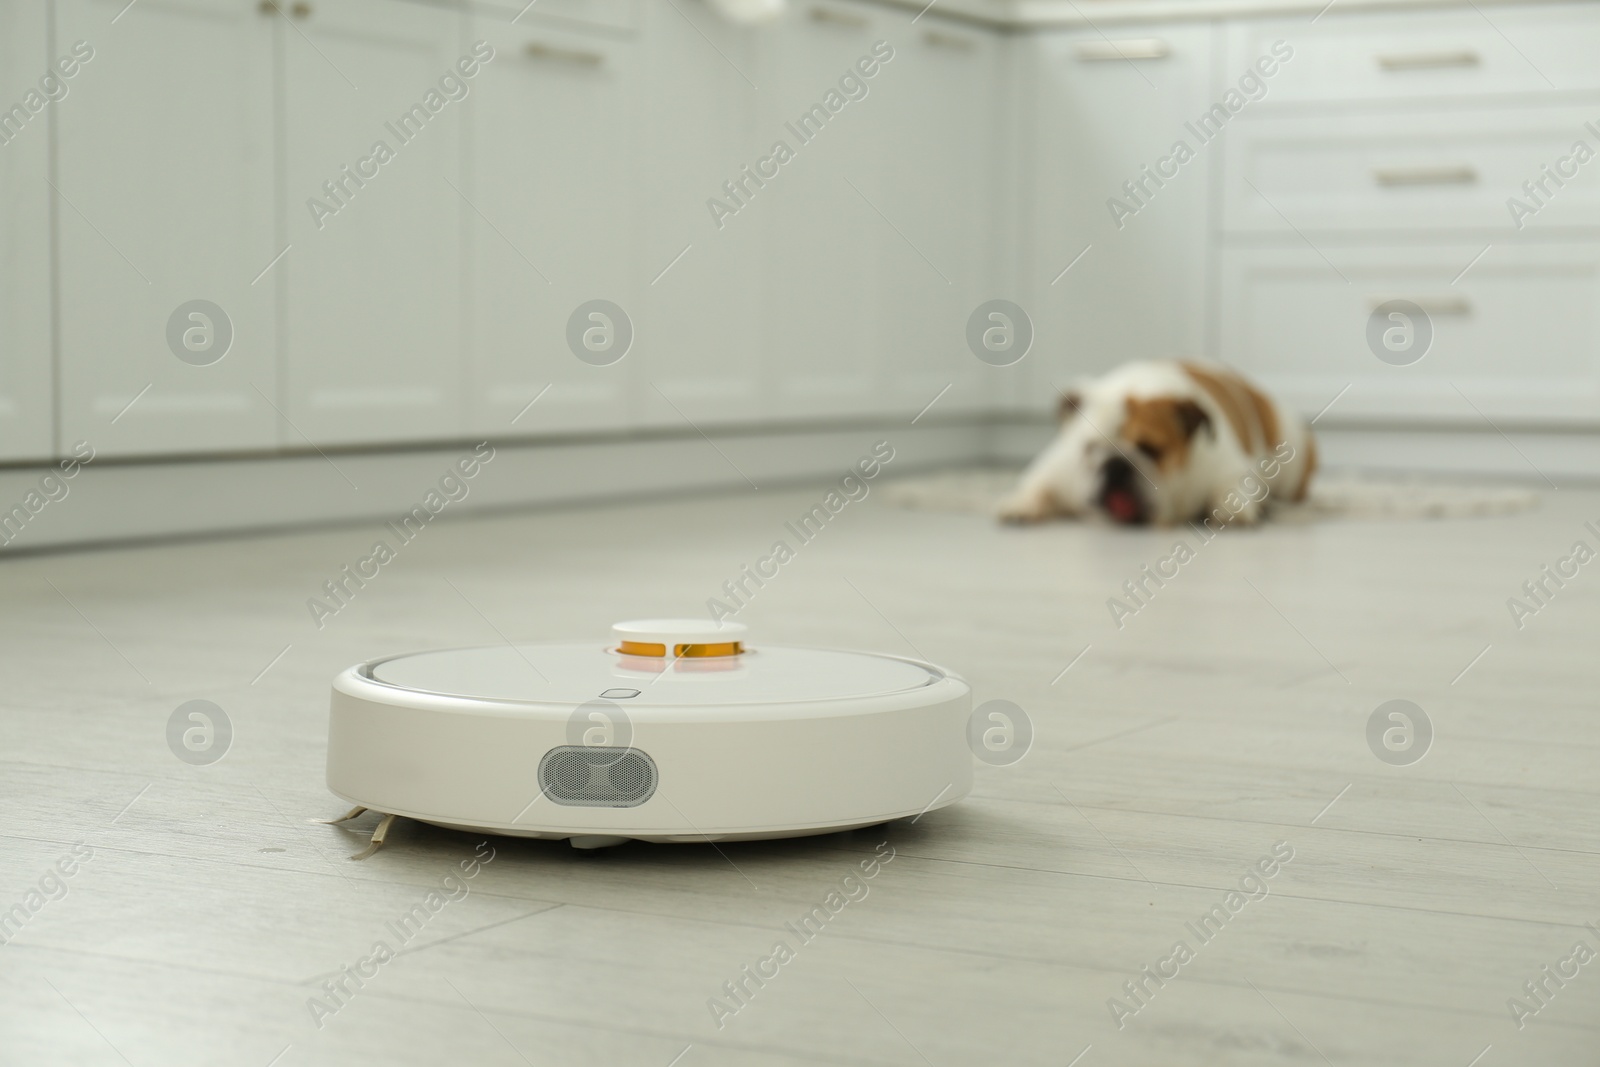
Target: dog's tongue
1122	506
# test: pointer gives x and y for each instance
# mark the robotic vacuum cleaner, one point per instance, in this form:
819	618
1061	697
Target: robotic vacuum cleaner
676	730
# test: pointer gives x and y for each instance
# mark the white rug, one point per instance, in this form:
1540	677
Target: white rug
1335	496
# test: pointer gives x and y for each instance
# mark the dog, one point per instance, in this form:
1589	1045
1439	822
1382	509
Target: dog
1161	443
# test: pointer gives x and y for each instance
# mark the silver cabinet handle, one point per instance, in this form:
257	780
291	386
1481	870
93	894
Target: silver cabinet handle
539	50
1429	60
1447	175
838	18
1449	304
1128	48
940	39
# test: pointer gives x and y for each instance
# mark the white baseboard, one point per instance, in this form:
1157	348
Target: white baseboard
1542	457
119	501
113	502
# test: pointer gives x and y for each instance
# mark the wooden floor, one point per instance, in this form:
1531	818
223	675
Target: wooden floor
1229	715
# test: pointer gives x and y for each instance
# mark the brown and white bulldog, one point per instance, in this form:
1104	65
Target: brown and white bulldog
1166	442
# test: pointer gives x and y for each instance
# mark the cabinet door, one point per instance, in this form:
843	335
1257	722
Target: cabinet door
702	358
550	230
165	198
821	277
373	121
940	149
1099	120
25	400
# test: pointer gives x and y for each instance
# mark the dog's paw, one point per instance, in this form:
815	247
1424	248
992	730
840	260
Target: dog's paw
1028	506
1250	515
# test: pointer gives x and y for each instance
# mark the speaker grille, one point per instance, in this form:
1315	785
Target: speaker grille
592	777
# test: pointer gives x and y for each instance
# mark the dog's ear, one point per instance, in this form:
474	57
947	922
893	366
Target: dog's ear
1191	416
1069	405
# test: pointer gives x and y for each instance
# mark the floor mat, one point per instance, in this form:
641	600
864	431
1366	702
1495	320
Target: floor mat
1334	496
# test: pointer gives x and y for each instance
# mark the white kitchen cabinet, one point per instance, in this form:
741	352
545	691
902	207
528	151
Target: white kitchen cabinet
165	197
26	401
1103	111
1379	166
822	292
939	146
227	151
550	227
701	347
372	348
1516	337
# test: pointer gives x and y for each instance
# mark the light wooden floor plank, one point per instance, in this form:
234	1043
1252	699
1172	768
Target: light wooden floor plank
1228	714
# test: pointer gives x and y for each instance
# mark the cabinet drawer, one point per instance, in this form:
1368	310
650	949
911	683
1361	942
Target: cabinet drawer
1518	334
1414	172
1427	55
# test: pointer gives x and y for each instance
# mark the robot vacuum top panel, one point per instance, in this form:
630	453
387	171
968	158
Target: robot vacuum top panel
653	663
574	673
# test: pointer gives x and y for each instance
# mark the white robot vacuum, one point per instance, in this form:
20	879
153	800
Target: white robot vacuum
677	730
